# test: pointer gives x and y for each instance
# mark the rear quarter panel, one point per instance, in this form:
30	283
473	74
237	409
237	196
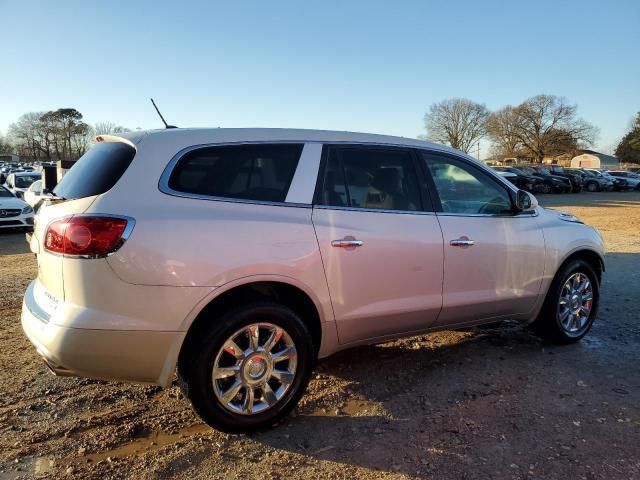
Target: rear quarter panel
186	242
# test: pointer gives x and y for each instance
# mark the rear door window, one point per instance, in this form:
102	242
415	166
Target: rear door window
97	171
370	178
261	172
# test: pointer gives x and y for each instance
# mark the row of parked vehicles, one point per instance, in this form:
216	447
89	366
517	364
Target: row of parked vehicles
20	192
558	179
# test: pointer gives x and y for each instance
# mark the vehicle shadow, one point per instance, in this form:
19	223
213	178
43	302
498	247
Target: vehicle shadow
406	407
13	242
473	403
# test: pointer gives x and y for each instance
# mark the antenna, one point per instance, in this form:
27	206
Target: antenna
166	125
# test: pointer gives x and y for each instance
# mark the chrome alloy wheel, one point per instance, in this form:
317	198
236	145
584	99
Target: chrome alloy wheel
254	368
576	301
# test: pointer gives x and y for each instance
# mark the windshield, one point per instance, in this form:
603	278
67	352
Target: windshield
5	193
528	170
544	170
24	181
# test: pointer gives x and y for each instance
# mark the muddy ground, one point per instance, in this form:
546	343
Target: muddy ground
486	403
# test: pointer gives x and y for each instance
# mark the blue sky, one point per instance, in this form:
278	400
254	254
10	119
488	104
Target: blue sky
346	65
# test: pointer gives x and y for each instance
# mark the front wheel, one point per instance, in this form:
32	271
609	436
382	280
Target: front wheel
593	187
571	304
249	369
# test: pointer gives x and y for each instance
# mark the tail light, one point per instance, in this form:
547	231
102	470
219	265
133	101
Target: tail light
87	236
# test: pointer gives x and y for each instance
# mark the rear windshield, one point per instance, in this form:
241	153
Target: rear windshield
97	171
25	181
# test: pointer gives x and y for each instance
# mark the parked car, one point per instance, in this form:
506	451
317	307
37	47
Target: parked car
565	185
552	183
14	213
619	184
574	178
243	255
33	195
593	182
523	181
19	182
632	179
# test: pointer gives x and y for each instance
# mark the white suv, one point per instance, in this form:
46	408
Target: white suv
243	255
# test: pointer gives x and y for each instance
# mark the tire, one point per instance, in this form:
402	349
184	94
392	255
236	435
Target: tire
546	188
195	371
549	324
592	187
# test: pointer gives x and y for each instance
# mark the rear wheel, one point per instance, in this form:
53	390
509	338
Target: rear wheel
546	188
571	304
250	369
592	187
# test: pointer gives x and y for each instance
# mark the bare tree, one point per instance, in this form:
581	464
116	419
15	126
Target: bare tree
457	122
502	130
25	134
5	145
548	125
109	128
59	134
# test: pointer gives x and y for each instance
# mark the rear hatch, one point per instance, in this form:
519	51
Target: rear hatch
95	173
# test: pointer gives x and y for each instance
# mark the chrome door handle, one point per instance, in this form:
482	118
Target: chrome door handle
347	243
462	242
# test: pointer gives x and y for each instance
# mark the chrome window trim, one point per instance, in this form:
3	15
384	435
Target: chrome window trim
533	213
163	183
374	210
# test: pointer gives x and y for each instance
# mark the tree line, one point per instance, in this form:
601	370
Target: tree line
541	126
54	135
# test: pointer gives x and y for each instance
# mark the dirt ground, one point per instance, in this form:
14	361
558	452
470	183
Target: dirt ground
486	403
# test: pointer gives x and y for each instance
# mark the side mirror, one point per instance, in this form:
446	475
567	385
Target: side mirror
526	202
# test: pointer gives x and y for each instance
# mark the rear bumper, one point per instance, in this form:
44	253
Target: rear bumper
129	355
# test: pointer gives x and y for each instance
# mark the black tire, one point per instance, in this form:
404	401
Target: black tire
546	188
548	324
592	187
195	370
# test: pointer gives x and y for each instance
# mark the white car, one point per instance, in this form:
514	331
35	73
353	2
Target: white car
241	256
14	213
34	193
18	182
633	179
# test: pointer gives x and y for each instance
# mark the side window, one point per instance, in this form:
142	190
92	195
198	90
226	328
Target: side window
464	189
373	178
249	172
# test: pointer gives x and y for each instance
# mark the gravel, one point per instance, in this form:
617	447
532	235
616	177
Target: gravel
491	402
